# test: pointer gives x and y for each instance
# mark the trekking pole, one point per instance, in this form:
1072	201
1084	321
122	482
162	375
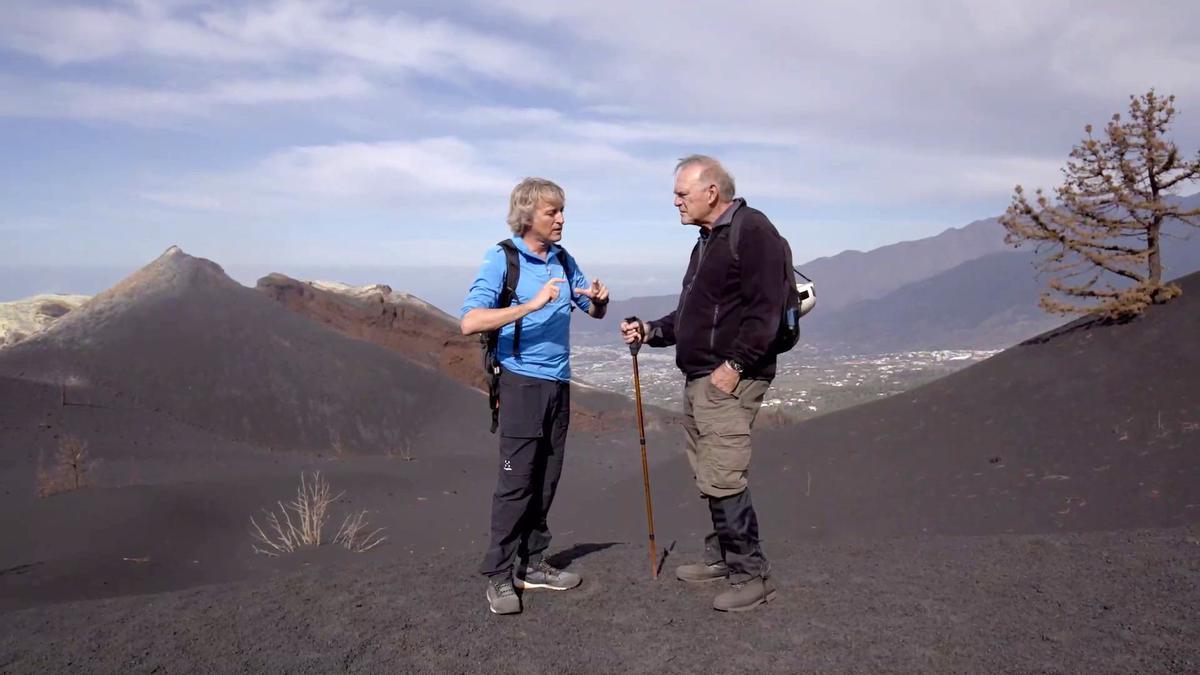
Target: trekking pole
637	390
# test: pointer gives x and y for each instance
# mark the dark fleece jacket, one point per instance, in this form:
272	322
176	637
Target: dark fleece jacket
730	307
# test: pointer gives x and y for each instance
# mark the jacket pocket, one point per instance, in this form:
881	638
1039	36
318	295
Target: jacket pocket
712	333
521	409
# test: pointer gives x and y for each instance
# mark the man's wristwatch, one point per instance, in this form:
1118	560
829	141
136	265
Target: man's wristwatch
734	366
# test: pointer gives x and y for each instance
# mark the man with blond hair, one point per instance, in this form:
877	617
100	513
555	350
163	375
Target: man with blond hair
533	350
723	330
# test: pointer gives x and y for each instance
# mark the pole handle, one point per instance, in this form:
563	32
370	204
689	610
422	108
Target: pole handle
635	346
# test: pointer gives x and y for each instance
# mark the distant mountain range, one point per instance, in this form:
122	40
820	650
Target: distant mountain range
854	276
962	288
845	278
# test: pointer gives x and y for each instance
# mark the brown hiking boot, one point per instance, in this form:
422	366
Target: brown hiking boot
745	596
700	573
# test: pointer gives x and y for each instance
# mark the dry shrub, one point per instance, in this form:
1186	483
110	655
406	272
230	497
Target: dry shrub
354	535
299	523
69	469
337	448
405	452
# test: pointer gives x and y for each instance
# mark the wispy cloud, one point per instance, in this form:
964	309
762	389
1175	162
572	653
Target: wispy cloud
327	114
158	106
163	60
596	160
957	75
279	34
396	40
72	34
399	176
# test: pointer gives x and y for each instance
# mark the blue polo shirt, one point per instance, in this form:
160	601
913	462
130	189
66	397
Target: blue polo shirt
546	333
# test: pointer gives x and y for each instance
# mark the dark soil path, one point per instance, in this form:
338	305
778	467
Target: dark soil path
1116	602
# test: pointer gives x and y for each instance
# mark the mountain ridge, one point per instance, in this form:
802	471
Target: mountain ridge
267	376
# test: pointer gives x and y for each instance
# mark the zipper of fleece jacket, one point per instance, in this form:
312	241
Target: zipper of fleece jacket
712	333
703	244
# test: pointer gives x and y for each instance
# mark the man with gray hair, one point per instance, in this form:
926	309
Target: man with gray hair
529	318
723	330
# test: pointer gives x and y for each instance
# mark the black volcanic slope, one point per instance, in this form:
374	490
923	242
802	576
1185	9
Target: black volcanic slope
1046	457
1091	426
181	337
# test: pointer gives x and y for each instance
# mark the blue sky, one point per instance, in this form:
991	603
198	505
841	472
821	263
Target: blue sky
298	132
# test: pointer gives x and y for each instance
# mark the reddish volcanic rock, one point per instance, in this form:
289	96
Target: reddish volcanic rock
425	334
378	314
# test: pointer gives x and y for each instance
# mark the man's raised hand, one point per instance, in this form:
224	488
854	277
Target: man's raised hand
548	294
597	291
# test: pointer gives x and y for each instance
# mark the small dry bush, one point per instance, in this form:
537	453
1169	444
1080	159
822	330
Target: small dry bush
299	523
338	449
67	471
405	452
356	535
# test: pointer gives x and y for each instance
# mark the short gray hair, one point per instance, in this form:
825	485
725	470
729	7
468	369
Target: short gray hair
713	173
525	198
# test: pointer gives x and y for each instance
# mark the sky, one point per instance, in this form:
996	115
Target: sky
294	133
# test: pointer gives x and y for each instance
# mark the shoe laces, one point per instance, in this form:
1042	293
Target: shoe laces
504	588
547	569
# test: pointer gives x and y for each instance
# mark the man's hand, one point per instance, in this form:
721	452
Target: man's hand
548	294
725	378
597	292
633	331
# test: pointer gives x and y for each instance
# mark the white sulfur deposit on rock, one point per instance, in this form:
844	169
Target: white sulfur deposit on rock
382	291
22	319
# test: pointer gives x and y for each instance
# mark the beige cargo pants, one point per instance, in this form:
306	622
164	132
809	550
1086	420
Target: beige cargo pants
718	433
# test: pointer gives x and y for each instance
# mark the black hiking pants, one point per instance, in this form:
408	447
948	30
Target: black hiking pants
734	538
534	414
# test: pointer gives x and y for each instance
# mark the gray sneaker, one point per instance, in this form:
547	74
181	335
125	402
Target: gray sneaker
544	575
502	598
700	573
745	596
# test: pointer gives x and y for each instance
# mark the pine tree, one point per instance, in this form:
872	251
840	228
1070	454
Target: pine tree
1099	240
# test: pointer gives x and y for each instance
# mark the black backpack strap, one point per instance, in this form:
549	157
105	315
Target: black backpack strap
491	339
562	258
789	326
508	290
735	231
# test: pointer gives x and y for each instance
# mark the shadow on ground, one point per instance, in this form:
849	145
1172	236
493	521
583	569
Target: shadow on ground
566	557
